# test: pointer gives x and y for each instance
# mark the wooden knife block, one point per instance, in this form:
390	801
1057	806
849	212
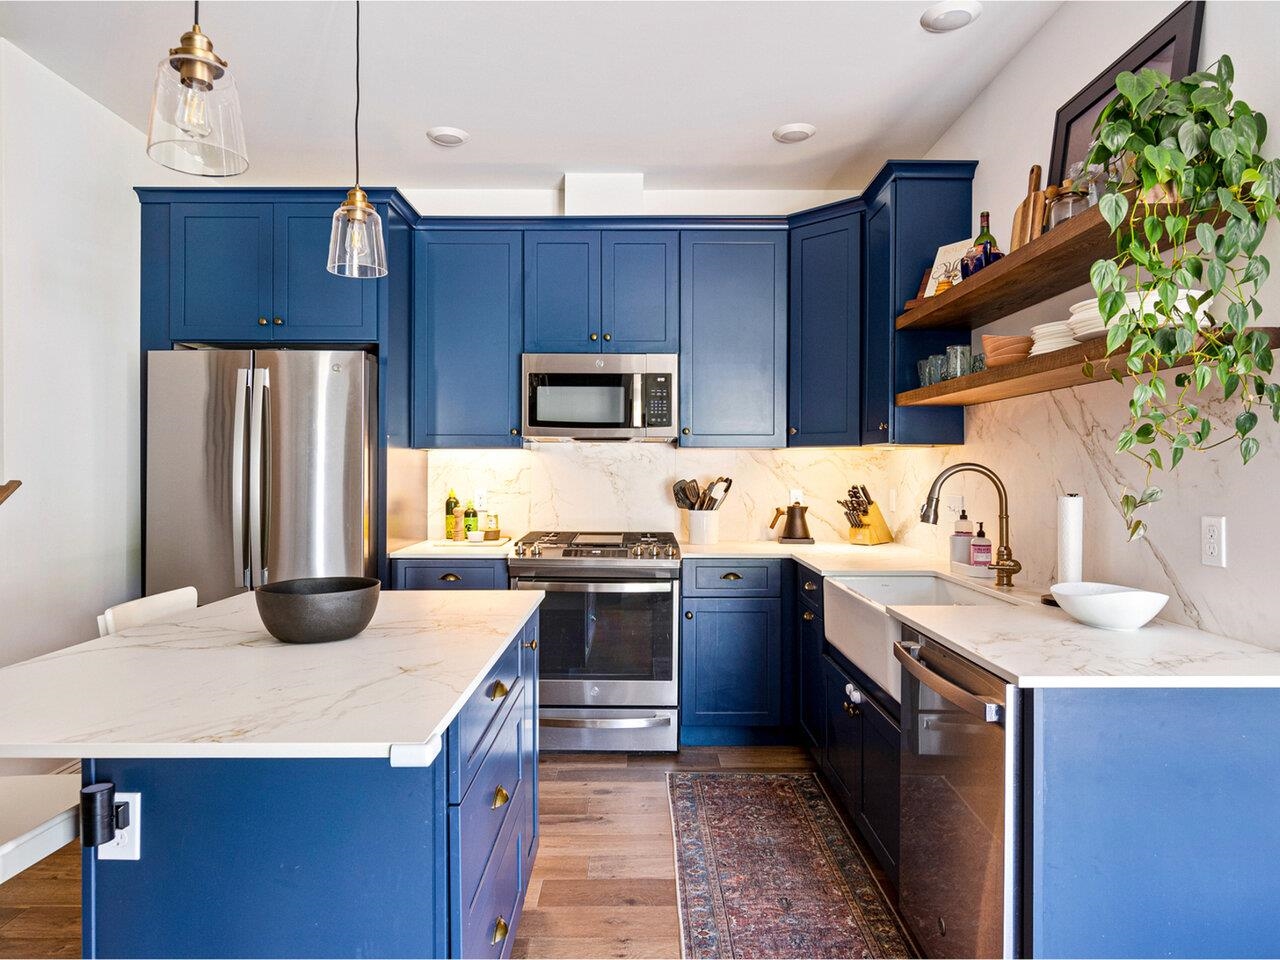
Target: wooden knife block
873	531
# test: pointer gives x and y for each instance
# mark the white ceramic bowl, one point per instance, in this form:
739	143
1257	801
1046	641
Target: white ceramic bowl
1107	605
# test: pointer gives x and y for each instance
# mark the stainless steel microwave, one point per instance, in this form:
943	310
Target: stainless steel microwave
600	396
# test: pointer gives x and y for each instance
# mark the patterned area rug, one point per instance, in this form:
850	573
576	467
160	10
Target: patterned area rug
766	868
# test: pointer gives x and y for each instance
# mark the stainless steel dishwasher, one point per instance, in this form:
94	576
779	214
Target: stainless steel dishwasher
957	870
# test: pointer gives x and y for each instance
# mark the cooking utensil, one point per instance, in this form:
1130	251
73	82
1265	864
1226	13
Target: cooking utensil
682	498
1024	222
728	483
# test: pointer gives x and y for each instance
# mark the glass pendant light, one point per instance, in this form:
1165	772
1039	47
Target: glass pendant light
195	124
355	243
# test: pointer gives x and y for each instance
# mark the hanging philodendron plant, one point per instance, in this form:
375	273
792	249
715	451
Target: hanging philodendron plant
1188	210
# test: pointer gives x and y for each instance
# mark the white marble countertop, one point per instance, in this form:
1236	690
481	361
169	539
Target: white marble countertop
824	558
445	550
214	683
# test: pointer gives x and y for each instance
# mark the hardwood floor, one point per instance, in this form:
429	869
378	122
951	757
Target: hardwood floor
604	884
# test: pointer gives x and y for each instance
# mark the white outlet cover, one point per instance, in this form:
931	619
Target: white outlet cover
1213	541
795	495
127	844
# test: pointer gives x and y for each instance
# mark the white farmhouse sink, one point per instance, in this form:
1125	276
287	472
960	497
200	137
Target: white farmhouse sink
857	624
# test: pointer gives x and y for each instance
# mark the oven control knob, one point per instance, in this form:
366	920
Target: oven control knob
638	550
520	549
653	551
671	550
536	550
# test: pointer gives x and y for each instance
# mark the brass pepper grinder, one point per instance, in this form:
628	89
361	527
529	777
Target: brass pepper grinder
796	529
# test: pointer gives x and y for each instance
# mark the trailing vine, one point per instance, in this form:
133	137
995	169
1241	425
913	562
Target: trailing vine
1188	212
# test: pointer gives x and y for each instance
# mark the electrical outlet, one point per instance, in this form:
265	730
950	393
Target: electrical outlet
795	495
1213	541
127	844
954	504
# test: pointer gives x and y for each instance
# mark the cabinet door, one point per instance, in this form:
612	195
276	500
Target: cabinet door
842	761
640	279
812	685
733	338
825	362
529	758
311	304
477	574
466	339
220	271
877	813
731	663
877	370
562	291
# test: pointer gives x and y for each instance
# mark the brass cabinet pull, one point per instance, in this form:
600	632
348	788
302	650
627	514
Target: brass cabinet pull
688	614
808	615
810	586
262	321
279	322
883	425
731	576
608	336
849	708
450	577
500	690
500	797
515	432
792	430
531	645
500	929
594	337
685	431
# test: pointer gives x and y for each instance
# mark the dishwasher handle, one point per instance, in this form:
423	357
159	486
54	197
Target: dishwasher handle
984	708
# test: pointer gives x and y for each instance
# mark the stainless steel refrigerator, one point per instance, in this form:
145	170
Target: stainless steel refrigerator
259	467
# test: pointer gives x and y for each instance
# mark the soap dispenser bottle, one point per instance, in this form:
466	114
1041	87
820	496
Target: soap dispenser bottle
961	539
980	549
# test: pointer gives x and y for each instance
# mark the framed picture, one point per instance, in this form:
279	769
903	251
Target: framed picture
1173	48
946	265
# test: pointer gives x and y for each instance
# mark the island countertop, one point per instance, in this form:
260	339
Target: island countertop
213	683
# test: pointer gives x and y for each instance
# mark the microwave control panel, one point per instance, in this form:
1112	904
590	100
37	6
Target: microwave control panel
657	400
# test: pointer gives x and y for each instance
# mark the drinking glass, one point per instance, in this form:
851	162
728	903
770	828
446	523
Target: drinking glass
937	368
959	357
923	367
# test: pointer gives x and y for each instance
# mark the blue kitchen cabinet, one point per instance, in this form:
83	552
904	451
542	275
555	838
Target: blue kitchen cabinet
466	338
825	362
809	640
912	209
640	291
220	276
440	574
562	291
731	663
311	304
733	338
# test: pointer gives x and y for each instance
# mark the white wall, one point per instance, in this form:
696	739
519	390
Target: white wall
656	203
69	237
1064	442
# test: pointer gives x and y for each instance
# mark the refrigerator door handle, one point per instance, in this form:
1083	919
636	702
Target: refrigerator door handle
257	457
237	478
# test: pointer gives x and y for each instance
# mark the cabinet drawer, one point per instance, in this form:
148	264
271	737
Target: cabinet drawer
449	574
494	799
479	720
809	588
488	928
732	578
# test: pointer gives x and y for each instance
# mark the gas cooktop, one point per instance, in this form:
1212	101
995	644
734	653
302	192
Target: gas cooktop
624	551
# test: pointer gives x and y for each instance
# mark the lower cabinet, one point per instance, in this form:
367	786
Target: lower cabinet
449	574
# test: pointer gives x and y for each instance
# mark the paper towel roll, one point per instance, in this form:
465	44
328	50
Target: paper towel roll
1070	538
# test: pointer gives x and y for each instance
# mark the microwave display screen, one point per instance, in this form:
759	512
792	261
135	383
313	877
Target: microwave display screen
603	404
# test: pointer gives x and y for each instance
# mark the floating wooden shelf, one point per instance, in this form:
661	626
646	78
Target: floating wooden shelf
7	489
1052	263
1039	374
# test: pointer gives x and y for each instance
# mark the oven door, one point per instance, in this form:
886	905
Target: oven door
607	643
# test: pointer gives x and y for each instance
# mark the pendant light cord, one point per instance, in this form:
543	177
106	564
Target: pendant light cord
357	92
196	21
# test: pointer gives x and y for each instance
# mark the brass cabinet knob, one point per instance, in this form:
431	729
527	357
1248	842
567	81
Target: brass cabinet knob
608	336
279	321
531	645
883	425
595	337
810	586
500	690
849	708
808	615
685	431
450	577
515	431
731	576
792	430
688	614
500	929
262	321
500	797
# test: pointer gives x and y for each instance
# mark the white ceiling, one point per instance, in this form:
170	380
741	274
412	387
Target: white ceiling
685	92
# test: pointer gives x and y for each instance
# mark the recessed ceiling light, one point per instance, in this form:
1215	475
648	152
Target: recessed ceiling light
448	136
794	132
950	15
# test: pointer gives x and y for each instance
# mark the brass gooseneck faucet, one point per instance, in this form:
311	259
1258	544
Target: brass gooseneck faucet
1004	566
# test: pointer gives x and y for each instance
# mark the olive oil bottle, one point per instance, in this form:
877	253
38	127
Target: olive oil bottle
450	505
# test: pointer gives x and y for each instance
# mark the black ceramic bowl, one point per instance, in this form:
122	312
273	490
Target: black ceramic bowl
317	609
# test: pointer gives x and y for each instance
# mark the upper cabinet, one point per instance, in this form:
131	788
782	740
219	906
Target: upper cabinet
591	291
466	338
256	271
825	363
912	209
733	338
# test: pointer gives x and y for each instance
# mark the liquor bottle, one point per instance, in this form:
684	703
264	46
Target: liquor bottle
984	251
449	506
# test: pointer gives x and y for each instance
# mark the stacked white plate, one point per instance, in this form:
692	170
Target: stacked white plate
1051	336
1086	321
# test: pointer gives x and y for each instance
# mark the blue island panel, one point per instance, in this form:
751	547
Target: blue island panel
1153	823
274	858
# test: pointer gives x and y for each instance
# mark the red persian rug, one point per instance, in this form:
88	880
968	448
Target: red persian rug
766	868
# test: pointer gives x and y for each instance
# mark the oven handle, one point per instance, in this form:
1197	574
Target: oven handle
574	586
984	708
606	723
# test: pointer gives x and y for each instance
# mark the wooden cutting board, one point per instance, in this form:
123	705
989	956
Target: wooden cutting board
1029	217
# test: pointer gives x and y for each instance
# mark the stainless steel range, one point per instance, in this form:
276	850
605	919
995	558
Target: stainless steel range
609	633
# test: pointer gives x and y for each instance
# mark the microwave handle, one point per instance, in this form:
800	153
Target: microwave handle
637	401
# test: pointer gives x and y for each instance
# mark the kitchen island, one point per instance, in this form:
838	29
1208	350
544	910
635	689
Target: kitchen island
371	797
